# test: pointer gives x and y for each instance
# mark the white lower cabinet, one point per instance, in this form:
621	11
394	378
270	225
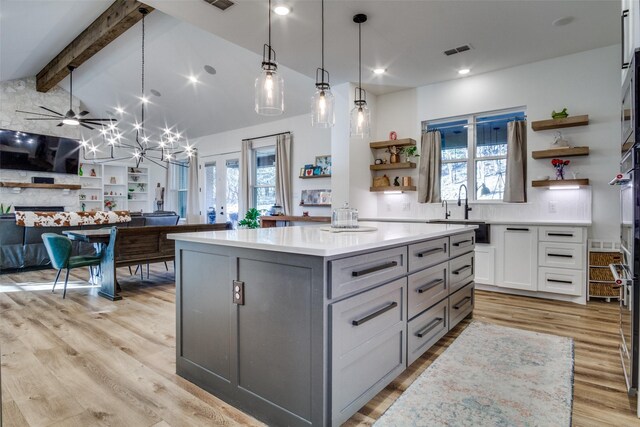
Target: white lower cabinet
561	281
485	264
516	257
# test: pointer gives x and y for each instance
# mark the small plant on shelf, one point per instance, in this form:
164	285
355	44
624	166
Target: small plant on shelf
410	151
5	210
250	219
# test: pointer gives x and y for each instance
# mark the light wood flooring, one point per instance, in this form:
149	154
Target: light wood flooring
86	361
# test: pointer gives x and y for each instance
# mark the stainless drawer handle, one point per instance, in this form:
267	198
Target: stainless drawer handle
561	255
463	243
424	331
560	234
374	269
559	281
374	315
431	251
429	285
517	229
462	303
460	270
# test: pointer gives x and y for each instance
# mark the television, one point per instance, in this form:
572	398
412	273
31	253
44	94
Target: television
39	153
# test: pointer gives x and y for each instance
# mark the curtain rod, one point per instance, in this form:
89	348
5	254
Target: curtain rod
267	136
515	118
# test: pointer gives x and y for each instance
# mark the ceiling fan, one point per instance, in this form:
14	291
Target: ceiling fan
70	118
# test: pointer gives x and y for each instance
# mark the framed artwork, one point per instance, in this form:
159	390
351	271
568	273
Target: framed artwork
324	163
315	197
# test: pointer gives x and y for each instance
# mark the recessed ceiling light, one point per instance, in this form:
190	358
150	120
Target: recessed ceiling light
209	69
379	70
282	10
155	92
464	71
193	79
144	99
562	21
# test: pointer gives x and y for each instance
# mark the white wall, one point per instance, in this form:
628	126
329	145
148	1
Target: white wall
307	143
585	83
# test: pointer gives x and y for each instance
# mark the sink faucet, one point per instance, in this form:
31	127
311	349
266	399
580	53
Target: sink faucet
447	212
466	200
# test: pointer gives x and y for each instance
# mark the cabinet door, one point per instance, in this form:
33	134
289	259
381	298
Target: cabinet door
517	257
485	264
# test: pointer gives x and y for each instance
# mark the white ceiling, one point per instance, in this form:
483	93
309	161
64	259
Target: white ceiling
406	37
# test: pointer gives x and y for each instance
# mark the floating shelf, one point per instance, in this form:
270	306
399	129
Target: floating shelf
570	121
33	185
394	188
315	205
388	166
390	143
315	176
89	177
560	152
559	182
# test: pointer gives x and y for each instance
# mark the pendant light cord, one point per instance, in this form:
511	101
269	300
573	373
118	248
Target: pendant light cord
359	60
322	19
142	117
269	30
70	88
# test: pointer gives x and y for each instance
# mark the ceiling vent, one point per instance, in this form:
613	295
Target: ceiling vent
460	49
220	4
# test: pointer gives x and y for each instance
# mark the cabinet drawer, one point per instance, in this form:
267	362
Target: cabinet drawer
461	271
561	234
561	281
356	273
461	304
425	254
360	317
426	288
462	243
563	255
426	329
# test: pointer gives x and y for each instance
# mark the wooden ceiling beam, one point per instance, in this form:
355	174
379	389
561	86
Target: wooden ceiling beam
118	18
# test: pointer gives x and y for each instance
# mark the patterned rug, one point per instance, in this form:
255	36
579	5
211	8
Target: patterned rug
491	376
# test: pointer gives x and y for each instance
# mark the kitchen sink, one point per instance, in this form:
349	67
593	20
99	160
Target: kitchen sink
482	232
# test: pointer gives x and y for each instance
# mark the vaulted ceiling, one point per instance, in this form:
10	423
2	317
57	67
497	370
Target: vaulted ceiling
405	37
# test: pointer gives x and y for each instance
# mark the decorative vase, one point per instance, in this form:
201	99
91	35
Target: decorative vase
559	173
80	172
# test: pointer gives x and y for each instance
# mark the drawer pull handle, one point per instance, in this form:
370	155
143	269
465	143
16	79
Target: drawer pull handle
431	252
463	243
460	270
374	269
560	234
559	281
424	331
561	255
374	315
462	303
429	285
517	229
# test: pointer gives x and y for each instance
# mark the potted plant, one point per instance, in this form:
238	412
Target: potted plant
4	210
410	152
250	219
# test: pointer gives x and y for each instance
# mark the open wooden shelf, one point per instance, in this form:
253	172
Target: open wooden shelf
315	176
560	152
387	166
394	188
33	185
559	182
391	142
570	121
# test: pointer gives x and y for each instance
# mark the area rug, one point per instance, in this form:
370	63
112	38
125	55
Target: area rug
491	376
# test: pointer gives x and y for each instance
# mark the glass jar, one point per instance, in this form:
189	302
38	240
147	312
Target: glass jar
344	217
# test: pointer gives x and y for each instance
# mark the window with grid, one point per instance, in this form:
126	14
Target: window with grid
474	153
264	178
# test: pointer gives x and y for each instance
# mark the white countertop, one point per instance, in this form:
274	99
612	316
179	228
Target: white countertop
576	223
312	240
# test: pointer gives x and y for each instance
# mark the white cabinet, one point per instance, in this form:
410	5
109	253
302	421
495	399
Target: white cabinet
485	264
630	21
120	186
516	256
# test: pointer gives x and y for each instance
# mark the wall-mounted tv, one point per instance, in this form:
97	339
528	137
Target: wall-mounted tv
40	153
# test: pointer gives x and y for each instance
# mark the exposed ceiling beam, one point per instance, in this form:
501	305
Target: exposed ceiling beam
118	18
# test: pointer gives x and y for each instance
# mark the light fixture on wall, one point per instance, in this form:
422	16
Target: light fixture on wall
360	115
322	102
269	87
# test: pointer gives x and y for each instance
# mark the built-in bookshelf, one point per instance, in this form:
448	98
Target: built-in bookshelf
126	187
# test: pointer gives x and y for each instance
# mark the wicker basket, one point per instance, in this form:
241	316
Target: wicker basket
381	181
603	290
600	274
604	258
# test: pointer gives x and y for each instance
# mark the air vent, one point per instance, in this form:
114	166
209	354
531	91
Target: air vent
220	4
460	49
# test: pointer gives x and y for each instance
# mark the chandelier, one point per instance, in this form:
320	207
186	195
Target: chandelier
168	147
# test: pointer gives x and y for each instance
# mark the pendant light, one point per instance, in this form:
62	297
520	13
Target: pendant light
269	88
360	115
322	102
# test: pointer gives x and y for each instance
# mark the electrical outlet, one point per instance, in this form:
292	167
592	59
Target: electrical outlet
553	206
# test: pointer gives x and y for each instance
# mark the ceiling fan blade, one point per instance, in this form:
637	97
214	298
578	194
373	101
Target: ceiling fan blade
39	114
82	113
89	122
50	110
60	124
42	118
99	120
88	127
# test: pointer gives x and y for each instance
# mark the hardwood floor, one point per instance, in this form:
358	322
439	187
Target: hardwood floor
86	361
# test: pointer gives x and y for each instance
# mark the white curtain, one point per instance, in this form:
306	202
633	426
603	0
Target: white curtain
193	192
245	177
283	173
429	169
170	193
515	187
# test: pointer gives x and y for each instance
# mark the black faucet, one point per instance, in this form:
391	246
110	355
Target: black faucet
447	212
466	200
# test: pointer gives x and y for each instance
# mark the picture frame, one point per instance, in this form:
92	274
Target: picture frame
324	163
315	197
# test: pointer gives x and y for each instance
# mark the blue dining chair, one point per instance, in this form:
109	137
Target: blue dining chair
59	250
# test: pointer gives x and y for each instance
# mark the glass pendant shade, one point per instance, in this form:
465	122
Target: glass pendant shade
269	92
322	108
360	121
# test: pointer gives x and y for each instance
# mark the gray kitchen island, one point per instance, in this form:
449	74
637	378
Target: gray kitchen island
299	326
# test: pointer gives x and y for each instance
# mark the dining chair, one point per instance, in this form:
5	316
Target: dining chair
59	249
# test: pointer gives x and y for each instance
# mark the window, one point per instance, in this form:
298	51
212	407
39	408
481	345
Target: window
210	191
264	178
177	191
474	153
